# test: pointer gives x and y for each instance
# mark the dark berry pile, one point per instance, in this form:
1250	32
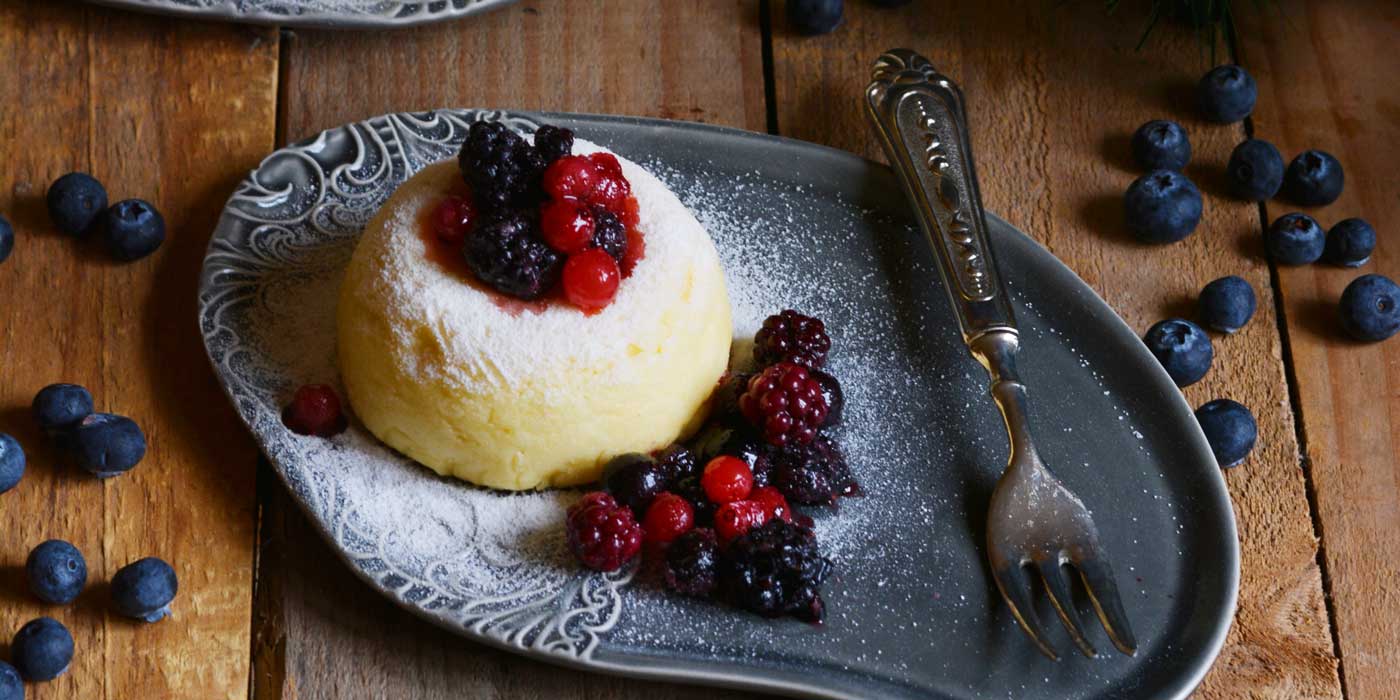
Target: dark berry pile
792	337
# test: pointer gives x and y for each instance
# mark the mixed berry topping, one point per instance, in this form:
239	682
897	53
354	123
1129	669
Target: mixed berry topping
735	518
553	143
314	410
602	534
502	168
776	569
791	337
508	254
633	480
786	403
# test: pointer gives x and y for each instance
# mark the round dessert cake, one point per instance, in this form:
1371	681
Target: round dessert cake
518	394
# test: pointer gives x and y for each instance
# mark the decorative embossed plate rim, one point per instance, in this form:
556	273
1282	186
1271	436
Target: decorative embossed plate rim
336	14
316	195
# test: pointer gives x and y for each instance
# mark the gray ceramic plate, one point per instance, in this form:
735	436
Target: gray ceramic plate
911	610
341	14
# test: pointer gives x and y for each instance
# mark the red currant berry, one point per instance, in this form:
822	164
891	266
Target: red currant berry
566	226
727	479
570	177
737	517
314	410
606	163
611	192
668	517
775	504
453	219
590	279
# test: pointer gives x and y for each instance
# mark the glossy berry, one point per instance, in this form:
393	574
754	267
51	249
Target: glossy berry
735	518
7	239
508	254
453	219
553	142
591	279
602	534
776	569
611	191
314	410
105	444
567	225
12	462
609	234
11	685
669	517
1350	243
133	230
775	504
676	462
1182	347
1370	308
56	572
1162	206
570	177
1227	304
727	479
606	164
634	479
1295	239
812	474
692	563
734	441
58	407
791	337
1161	145
502	168
42	649
1255	170
144	589
785	403
1230	429
1226	94
812	17
76	202
1313	179
835	398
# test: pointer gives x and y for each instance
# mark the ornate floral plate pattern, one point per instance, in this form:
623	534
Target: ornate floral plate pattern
363	14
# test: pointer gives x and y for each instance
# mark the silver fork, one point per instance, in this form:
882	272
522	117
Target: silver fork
1034	522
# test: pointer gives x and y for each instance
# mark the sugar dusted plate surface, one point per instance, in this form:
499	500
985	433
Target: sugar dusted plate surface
911	611
353	14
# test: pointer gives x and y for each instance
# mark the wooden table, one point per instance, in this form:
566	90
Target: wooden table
177	111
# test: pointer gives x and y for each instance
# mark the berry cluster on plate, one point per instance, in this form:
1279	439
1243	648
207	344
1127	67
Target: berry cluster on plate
537	221
717	515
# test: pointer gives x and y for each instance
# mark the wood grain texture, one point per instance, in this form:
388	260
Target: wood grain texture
320	633
1326	74
1054	91
173	113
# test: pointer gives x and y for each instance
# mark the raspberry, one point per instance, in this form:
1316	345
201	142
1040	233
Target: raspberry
609	234
691	563
775	505
634	480
553	142
727	479
508	254
590	279
567	226
314	410
835	398
602	535
453	219
791	337
735	518
785	403
812	474
502	168
570	177
669	517
776	569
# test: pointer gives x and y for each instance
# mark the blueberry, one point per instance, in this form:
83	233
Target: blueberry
1227	304
144	588
58	407
1255	170
11	685
1161	145
1182	347
633	479
1230	429
1226	94
76	201
56	572
134	229
1349	243
1313	179
1295	239
108	444
7	244
1162	206
42	649
1371	307
814	16
11	462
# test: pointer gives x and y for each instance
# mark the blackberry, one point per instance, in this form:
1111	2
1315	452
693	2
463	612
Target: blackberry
502	168
791	337
786	403
691	563
553	143
675	463
775	569
508	254
812	474
609	234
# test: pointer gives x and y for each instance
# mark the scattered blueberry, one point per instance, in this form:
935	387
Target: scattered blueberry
11	685
7	244
56	572
1162	206
1371	307
1227	304
1349	243
1255	170
1161	145
144	588
58	407
814	16
1227	94
1313	179
134	229
1295	239
11	462
1182	347
42	649
1230	429
75	202
633	479
108	444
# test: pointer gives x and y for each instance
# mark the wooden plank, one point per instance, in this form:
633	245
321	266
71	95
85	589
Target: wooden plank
173	113
319	632
1055	90
1326	80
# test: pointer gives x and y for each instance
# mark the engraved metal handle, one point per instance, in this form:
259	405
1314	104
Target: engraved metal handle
919	115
